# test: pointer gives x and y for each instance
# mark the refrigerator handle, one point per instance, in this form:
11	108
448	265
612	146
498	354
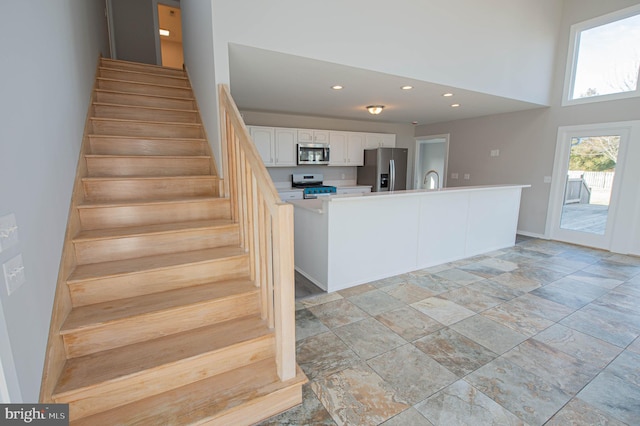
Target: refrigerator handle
392	173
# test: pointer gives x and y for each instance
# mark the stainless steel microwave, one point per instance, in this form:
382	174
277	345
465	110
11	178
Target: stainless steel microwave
313	153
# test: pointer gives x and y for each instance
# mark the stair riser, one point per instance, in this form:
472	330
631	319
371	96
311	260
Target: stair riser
152	214
151	326
146	129
132	285
143	77
155	381
115	145
141	100
153	189
144	113
150	245
144	89
147	166
133	66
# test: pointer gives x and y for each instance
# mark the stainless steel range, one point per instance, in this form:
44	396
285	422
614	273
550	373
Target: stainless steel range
312	184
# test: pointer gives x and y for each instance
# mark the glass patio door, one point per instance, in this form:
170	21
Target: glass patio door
587	177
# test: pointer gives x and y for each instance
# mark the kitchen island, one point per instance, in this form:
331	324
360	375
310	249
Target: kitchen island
343	241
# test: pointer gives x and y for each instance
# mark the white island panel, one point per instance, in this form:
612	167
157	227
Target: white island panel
493	220
370	239
442	229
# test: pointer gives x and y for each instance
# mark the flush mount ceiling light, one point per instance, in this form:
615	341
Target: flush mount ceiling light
446	95
407	87
375	109
164	33
337	87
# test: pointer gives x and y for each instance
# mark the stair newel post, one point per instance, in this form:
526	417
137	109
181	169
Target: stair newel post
284	293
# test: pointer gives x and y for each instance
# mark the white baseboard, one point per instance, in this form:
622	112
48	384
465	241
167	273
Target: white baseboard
532	234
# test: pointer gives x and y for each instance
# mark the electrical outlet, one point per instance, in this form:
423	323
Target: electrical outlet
467	176
8	231
454	176
495	153
13	273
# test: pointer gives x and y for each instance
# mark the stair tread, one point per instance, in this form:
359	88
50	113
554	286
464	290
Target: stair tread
149	263
118	363
177	77
91	135
91	316
101	204
153	157
147	178
139	64
148	95
117	80
133	231
144	107
155	123
201	400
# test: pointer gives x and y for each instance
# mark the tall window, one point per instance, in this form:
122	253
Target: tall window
604	58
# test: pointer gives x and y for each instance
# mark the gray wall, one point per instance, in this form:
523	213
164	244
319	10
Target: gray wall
527	139
197	42
134	30
403	132
49	55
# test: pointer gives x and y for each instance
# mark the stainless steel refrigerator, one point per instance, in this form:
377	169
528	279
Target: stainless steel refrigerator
385	169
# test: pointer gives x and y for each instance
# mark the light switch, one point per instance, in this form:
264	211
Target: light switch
454	176
547	179
13	273
467	176
8	231
495	153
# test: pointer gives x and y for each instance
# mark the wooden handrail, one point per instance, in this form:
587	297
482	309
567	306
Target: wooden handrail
266	229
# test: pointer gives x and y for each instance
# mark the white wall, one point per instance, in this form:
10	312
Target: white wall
527	139
49	52
197	42
451	42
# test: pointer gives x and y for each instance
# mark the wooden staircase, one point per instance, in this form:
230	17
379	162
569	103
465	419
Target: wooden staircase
159	316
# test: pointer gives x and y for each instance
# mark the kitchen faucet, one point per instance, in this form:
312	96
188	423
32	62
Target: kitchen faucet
424	181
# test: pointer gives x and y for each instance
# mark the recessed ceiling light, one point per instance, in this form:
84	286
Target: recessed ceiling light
164	33
455	105
446	95
407	87
337	87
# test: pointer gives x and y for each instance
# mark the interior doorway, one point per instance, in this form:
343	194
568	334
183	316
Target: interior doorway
170	34
431	154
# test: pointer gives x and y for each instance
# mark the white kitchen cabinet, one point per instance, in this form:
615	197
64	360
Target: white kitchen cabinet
346	149
276	145
291	194
285	147
263	138
379	140
313	136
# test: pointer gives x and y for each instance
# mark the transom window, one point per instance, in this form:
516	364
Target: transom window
604	58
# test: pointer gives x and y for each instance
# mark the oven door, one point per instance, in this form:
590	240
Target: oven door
313	153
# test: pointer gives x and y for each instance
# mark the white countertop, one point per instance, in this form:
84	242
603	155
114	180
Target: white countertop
316	205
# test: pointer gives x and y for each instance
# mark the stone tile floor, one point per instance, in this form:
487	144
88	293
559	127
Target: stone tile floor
540	333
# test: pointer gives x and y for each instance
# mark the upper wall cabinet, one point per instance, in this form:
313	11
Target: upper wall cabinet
313	136
347	148
276	145
379	140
